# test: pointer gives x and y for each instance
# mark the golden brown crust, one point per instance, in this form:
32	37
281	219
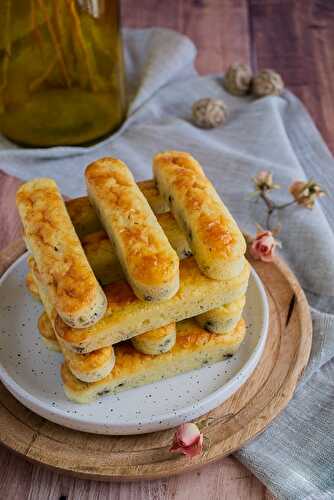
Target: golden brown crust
101	252
94	240
224	312
149	189
123	305
119	295
31	286
156	341
62	263
86	221
47	333
212	233
187	176
233	307
190	338
140	242
78	363
45	327
158	333
151	193
87	363
88	367
191	335
101	255
83	216
42	290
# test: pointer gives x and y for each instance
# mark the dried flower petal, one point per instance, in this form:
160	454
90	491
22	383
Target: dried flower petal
188	440
306	193
263	246
264	181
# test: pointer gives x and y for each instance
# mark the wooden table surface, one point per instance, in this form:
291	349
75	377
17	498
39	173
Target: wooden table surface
295	37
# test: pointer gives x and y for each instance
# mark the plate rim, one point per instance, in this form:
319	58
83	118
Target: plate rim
205	404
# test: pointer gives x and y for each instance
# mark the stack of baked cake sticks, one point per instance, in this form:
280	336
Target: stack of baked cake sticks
139	282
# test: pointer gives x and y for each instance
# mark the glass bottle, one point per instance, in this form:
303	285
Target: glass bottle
61	71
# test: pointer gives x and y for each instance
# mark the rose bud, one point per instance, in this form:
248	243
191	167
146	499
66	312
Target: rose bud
306	193
264	181
263	247
187	440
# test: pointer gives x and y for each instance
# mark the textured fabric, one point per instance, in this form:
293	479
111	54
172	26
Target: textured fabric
295	456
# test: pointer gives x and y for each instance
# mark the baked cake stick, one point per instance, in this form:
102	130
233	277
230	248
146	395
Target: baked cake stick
65	271
147	258
213	236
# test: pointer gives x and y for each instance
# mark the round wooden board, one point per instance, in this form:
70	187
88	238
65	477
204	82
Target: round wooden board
246	414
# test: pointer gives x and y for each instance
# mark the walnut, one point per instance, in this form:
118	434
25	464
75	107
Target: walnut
209	113
237	79
267	82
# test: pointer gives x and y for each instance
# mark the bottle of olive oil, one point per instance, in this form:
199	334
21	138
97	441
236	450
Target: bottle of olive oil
61	71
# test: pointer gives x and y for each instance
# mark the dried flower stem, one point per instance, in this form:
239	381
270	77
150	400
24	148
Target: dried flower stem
271	206
33	86
56	43
38	82
55	21
81	42
59	20
36	32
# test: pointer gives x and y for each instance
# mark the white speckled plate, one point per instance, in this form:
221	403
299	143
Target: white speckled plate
31	372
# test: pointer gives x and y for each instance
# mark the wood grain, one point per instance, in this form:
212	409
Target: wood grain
243	416
10	226
219	28
296	38
22	480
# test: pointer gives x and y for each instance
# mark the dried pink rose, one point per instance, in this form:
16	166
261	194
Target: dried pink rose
263	247
264	181
306	193
187	440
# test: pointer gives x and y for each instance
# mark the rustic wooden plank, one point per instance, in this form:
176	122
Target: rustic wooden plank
212	482
15	475
296	39
219	28
9	220
322	29
22	480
